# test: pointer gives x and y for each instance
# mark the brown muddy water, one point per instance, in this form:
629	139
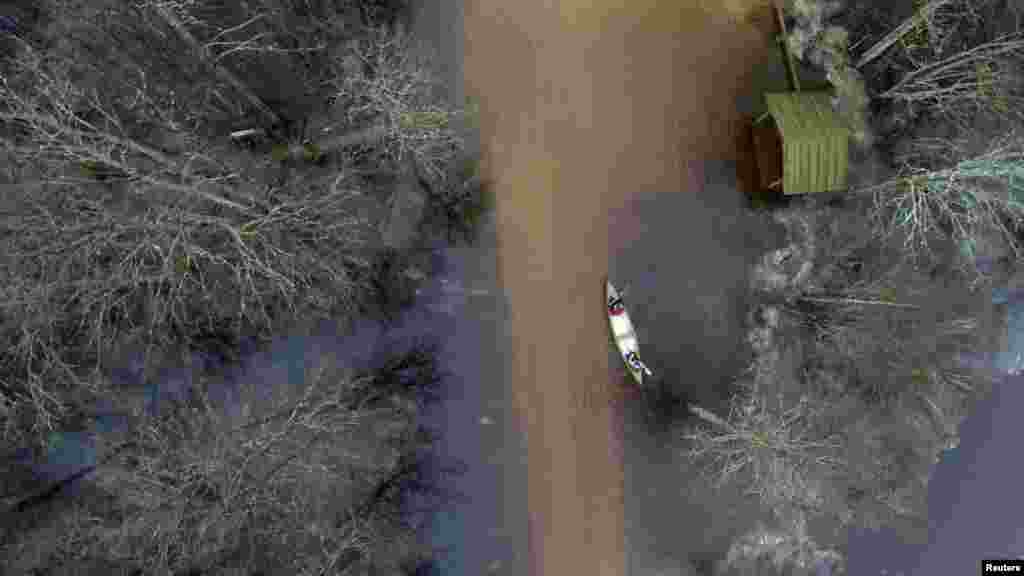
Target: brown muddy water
607	131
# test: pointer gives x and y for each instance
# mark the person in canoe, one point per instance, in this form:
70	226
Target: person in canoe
633	359
616	305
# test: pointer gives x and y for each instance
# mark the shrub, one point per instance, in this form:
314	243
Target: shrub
134	218
304	478
784	458
771	446
85	266
856	387
387	88
458	201
786	552
961	198
984	78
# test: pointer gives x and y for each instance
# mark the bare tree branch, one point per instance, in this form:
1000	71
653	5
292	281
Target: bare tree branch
225	74
894	36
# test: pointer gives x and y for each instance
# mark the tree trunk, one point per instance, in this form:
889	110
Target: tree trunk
892	37
225	74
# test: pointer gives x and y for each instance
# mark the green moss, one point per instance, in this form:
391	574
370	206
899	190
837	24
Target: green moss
424	120
472	112
887	294
919	377
89	168
279	152
988	87
247	230
184	264
311	152
919	35
759	439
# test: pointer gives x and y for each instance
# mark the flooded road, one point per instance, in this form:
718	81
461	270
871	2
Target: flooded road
606	130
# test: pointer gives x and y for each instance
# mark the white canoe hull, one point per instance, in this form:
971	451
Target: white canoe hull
623	334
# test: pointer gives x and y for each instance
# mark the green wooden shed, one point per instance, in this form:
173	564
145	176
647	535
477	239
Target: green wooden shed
814	142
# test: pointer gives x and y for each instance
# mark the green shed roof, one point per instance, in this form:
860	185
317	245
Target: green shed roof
815	142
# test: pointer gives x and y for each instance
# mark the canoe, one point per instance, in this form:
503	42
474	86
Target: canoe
623	333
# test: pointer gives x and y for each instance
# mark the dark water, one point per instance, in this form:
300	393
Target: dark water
458	308
975	509
485	532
